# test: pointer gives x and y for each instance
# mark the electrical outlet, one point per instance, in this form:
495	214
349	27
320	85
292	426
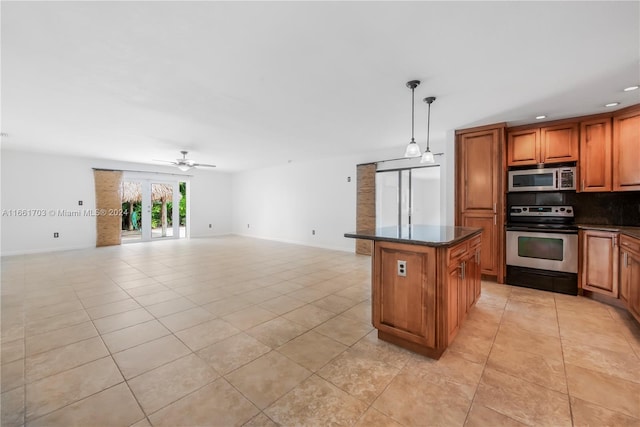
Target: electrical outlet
210	226
313	232
79	202
348	179
56	235
247	225
402	268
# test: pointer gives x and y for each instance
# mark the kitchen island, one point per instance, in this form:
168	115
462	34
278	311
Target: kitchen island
425	279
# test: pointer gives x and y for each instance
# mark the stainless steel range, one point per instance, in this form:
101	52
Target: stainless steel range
542	248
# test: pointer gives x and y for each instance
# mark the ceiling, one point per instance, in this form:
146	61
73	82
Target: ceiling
252	84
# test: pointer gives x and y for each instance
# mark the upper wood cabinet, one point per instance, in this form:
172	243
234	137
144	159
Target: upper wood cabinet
550	144
595	155
626	149
480	191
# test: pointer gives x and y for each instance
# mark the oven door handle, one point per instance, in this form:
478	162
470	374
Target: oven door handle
541	230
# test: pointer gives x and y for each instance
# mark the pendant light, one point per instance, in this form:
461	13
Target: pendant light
427	157
413	150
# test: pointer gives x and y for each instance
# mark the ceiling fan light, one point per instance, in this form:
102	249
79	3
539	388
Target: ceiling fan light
412	150
427	157
184	167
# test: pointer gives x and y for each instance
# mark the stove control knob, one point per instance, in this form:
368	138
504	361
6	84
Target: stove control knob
562	209
524	209
568	210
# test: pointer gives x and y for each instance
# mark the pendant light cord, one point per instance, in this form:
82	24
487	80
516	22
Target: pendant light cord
428	123
413	89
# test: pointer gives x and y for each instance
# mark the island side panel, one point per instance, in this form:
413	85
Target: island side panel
404	307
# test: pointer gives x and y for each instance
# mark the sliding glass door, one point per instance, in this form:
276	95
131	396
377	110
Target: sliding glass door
408	196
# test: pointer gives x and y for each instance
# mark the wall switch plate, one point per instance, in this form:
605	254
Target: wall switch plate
210	226
402	268
56	235
313	232
247	225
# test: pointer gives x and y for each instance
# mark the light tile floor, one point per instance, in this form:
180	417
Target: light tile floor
237	331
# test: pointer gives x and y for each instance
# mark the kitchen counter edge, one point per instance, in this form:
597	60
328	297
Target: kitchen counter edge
465	233
623	229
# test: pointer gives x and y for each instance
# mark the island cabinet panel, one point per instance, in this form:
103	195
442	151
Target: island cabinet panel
595	155
422	293
404	297
600	262
630	274
626	150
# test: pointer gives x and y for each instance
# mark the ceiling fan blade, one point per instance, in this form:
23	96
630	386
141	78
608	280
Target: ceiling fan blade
203	165
164	161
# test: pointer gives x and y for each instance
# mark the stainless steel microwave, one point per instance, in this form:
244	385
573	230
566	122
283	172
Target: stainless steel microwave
545	179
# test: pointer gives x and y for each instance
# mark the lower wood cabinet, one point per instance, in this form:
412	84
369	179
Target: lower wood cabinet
491	260
464	277
422	294
600	262
630	274
404	305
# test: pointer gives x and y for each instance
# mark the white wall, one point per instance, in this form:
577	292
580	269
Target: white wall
287	202
282	203
49	183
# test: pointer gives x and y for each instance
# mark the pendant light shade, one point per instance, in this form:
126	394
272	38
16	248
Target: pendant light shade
413	150
427	157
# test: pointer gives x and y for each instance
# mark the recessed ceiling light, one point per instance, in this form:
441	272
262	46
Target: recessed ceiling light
540	117
612	104
630	88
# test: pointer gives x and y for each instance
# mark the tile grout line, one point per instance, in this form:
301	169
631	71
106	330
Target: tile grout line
487	360
564	363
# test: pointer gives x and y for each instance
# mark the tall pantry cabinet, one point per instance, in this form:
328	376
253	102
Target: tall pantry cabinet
480	188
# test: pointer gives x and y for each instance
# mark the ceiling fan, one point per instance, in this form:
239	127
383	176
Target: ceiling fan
185	164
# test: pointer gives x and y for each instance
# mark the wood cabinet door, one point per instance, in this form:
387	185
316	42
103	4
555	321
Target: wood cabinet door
633	276
490	255
595	155
480	190
400	301
600	262
559	143
480	169
523	147
626	152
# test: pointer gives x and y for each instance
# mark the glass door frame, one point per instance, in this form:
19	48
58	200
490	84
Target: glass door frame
146	181
405	195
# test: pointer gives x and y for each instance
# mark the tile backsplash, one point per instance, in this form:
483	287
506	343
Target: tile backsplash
622	208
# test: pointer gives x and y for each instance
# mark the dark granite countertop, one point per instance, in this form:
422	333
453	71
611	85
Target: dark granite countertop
425	235
624	229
